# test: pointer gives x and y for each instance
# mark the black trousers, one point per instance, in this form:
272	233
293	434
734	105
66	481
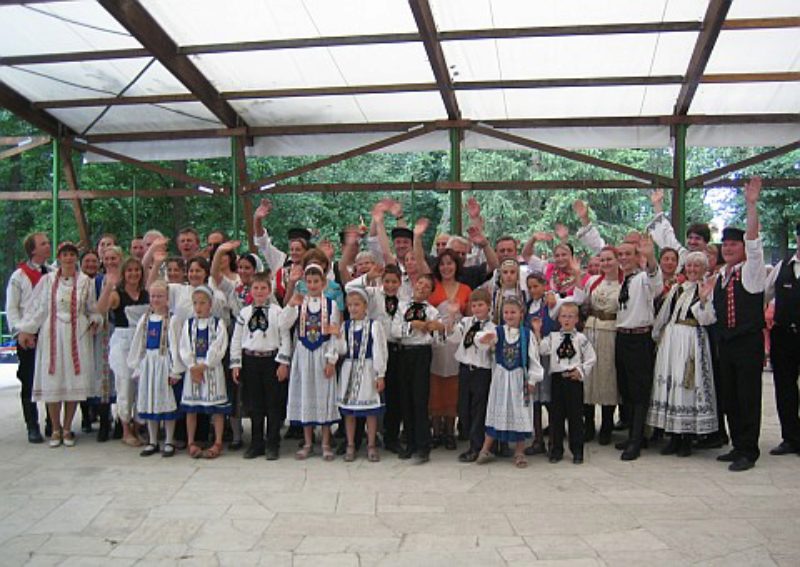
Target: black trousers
635	359
566	402
415	385
391	396
25	371
262	397
741	362
785	357
473	395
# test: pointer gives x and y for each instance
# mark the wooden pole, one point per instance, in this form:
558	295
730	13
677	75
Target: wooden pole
679	190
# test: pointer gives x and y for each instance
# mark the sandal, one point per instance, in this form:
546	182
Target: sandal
195	451
168	450
55	439
484	457
350	454
372	454
520	461
304	452
328	454
213	452
69	439
132	441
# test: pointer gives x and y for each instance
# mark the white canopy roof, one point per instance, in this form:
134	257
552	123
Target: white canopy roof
511	63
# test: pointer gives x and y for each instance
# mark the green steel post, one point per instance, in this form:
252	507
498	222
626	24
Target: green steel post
455	175
679	174
234	190
56	187
134	209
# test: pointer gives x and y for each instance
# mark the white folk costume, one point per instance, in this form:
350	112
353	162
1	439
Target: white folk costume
102	388
150	364
683	398
508	414
204	341
362	343
62	310
312	396
181	309
601	295
119	347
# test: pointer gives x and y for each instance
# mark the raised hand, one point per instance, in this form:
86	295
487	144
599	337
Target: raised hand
752	190
581	210
646	247
561	231
476	236
541	236
707	288
536	326
375	272
296	273
229	245
488	339
395	208
657	197
420	227
296	300
263	210
550	299
473	208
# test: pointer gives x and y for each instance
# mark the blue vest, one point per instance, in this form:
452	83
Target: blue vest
358	337
314	338
511	356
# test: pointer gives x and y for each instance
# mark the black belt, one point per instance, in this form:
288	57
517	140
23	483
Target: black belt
259	353
473	368
414	347
634	330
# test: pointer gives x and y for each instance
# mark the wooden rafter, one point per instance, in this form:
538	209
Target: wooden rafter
713	21
188	179
87	194
429	36
33	142
21	106
138	21
77	207
569	154
700	180
240	158
415	132
388	38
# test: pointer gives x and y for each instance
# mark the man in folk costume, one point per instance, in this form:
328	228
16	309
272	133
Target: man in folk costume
739	306
18	301
783	284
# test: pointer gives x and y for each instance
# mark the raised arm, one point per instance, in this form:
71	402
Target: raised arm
159	256
419	253
478	238
587	233
753	270
109	298
349	253
219	257
274	257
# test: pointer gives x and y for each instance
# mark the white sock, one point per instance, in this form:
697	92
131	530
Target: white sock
169	427
152	431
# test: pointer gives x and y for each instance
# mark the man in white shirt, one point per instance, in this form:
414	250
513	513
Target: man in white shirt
18	300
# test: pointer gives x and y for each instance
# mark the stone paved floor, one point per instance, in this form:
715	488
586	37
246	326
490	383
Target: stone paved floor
104	505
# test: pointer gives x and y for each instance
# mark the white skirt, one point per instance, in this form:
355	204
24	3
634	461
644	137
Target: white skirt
155	396
508	413
312	397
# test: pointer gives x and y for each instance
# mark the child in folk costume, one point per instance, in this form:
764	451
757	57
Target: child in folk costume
599	296
312	379
362	342
203	341
475	370
571	359
517	369
149	362
260	356
540	307
63	314
683	401
507	286
414	326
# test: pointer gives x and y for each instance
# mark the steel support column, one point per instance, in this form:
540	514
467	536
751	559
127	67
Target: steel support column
235	188
679	190
456	135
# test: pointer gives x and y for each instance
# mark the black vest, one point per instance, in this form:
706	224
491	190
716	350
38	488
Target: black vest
749	309
787	296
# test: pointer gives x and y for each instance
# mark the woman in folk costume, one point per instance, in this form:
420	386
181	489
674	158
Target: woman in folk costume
600	295
124	296
560	274
312	379
683	402
63	315
516	370
202	344
506	286
362	343
149	364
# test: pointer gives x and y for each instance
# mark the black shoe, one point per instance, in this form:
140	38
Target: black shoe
728	457
392	446
450	443
671	448
468	457
86	427
713	441
589	433
149	450
631	453
235	445
48	429
423	457
556	457
685	448
577	458
273	454
168	450
604	437
535	449
405	454
117	429
741	464
783	449
35	436
436	441
103	432
622	445
253	452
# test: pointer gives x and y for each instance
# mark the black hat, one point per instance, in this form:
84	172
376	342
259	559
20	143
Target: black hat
402	232
732	233
797	229
299	233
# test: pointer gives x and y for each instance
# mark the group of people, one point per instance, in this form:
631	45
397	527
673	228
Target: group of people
409	350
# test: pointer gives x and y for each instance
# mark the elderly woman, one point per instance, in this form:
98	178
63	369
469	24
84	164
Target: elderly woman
683	401
63	315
